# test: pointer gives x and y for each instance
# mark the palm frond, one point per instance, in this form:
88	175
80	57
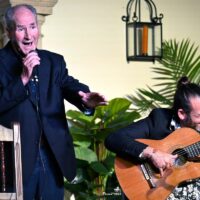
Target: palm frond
179	59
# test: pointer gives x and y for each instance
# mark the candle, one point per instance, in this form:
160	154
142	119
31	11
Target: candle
145	40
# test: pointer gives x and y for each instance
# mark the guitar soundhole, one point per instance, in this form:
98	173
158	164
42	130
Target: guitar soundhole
182	157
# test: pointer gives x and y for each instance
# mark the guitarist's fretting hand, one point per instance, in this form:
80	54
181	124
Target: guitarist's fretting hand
160	159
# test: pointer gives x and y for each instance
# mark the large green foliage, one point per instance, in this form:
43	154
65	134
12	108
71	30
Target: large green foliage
179	59
95	163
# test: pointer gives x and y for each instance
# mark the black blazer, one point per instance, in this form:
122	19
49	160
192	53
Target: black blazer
55	85
156	126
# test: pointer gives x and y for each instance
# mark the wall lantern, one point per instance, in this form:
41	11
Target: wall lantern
143	38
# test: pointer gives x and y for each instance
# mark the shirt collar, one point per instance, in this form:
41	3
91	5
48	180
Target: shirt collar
174	124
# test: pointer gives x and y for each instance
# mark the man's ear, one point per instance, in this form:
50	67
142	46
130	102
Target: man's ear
181	114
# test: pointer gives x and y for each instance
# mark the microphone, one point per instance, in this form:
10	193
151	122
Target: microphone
34	76
34	85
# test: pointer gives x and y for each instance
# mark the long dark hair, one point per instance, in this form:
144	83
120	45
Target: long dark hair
185	90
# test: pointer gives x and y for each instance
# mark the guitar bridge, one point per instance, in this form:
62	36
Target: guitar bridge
147	175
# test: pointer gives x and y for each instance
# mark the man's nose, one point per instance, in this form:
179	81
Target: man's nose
27	33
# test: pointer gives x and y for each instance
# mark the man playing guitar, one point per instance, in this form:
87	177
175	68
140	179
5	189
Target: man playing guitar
160	123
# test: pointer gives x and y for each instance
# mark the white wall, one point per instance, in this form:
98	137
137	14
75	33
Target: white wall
91	36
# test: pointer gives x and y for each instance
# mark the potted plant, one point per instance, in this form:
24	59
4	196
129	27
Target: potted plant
95	163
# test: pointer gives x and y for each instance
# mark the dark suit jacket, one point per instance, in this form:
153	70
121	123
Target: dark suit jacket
55	85
156	126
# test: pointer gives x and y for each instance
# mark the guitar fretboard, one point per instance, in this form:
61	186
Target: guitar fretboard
193	150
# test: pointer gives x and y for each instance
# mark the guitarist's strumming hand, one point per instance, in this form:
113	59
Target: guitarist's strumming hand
160	159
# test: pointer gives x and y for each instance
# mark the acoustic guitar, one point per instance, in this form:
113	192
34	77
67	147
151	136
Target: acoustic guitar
142	181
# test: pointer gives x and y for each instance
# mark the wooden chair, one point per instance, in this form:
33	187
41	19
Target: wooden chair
12	136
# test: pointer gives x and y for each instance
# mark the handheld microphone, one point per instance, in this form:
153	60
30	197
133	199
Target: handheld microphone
34	76
34	85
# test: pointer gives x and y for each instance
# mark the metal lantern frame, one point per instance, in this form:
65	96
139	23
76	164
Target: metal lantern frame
144	39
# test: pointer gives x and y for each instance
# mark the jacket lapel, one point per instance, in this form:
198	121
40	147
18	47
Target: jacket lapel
44	72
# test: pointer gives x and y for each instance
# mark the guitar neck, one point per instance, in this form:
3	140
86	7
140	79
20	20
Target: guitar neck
193	150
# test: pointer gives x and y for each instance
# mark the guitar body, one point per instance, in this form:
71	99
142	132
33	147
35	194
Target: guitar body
133	182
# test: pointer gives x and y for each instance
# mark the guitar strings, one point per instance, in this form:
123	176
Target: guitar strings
189	149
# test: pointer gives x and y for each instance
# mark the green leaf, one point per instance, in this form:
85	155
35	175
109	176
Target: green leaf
73	115
109	161
83	153
82	143
99	168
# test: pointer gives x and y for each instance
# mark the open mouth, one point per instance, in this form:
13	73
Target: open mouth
27	43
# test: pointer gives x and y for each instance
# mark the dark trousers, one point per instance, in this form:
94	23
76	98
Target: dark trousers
46	182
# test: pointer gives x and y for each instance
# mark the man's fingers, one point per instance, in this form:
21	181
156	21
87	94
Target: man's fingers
82	94
161	172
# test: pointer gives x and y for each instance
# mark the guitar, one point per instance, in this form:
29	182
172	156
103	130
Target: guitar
142	181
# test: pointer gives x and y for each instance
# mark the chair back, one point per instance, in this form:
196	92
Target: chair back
11	136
